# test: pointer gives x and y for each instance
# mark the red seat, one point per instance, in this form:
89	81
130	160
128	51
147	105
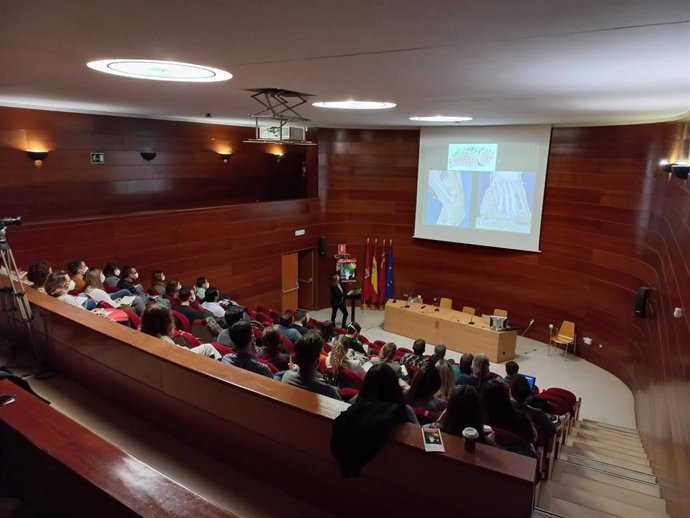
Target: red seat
363	339
181	321
185	339
222	349
173	301
346	378
110	289
348	393
273	368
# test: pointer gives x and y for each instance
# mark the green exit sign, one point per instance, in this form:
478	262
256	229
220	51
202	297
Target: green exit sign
98	158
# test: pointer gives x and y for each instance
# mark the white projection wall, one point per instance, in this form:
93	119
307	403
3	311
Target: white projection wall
482	185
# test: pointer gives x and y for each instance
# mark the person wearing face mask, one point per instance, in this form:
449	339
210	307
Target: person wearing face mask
158	283
128	279
202	285
185	297
94	288
112	275
77	269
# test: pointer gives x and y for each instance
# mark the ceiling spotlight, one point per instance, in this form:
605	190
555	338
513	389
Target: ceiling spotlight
355	105
160	70
441	118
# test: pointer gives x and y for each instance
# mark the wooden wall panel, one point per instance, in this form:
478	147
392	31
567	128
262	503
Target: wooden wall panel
187	171
612	223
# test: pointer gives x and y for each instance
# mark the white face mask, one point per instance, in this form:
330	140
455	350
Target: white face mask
162	277
117	273
136	276
192	298
102	277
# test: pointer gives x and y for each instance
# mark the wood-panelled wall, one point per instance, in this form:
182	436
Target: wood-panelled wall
186	212
612	223
187	171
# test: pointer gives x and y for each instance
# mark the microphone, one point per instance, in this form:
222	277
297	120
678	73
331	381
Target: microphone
471	323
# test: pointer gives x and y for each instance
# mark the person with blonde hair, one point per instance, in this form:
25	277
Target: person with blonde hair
447	378
387	357
341	356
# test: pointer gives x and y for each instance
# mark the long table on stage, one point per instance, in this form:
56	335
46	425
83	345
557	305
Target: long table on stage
450	327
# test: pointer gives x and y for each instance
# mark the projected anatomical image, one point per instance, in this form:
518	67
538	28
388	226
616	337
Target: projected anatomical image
448	198
472	157
505	201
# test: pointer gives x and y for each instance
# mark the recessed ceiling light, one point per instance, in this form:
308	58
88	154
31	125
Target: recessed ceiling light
160	70
441	118
355	105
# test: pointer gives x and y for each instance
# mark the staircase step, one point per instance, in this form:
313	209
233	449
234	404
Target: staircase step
611	452
543	513
654	504
608	458
608	431
598	502
610	468
634	444
562	468
620	447
601	424
573	510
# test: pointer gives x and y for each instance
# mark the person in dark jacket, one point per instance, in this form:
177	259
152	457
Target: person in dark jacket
338	299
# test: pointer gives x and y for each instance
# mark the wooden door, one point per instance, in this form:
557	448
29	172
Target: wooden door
290	286
305	278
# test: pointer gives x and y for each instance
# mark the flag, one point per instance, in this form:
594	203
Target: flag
367	275
389	272
374	275
382	275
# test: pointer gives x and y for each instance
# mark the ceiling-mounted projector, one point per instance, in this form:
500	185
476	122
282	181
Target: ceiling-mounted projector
279	122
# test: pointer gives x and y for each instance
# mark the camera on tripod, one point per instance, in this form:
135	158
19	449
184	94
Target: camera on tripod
10	221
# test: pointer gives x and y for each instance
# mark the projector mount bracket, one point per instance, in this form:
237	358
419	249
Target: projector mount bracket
279	106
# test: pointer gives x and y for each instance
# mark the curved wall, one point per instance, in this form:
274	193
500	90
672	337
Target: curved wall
612	223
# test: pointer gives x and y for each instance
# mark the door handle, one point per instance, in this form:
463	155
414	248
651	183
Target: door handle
307	281
290	290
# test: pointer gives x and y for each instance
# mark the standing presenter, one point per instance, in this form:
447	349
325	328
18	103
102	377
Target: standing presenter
338	300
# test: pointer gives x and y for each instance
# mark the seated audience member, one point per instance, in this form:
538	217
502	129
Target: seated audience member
424	389
77	269
520	391
381	384
158	282
158	321
480	371
37	273
465	377
202	285
387	356
341	356
512	369
172	292
184	306
300	322
353	331
232	314
270	350
464	410
447	378
307	353
94	289
112	275
327	331
211	304
128	278
439	353
416	357
57	285
499	413
284	324
244	356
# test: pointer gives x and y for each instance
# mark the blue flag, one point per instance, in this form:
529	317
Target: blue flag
389	272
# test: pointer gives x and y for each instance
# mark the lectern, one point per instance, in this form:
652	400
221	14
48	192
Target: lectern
353	296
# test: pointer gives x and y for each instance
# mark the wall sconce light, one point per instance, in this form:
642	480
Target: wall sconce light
148	155
225	157
276	156
37	156
679	169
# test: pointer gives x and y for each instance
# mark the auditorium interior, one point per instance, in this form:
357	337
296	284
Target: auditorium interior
176	176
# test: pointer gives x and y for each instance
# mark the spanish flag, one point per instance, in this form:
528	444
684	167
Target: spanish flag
374	275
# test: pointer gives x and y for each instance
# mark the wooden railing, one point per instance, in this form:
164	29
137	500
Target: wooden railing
277	432
57	467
